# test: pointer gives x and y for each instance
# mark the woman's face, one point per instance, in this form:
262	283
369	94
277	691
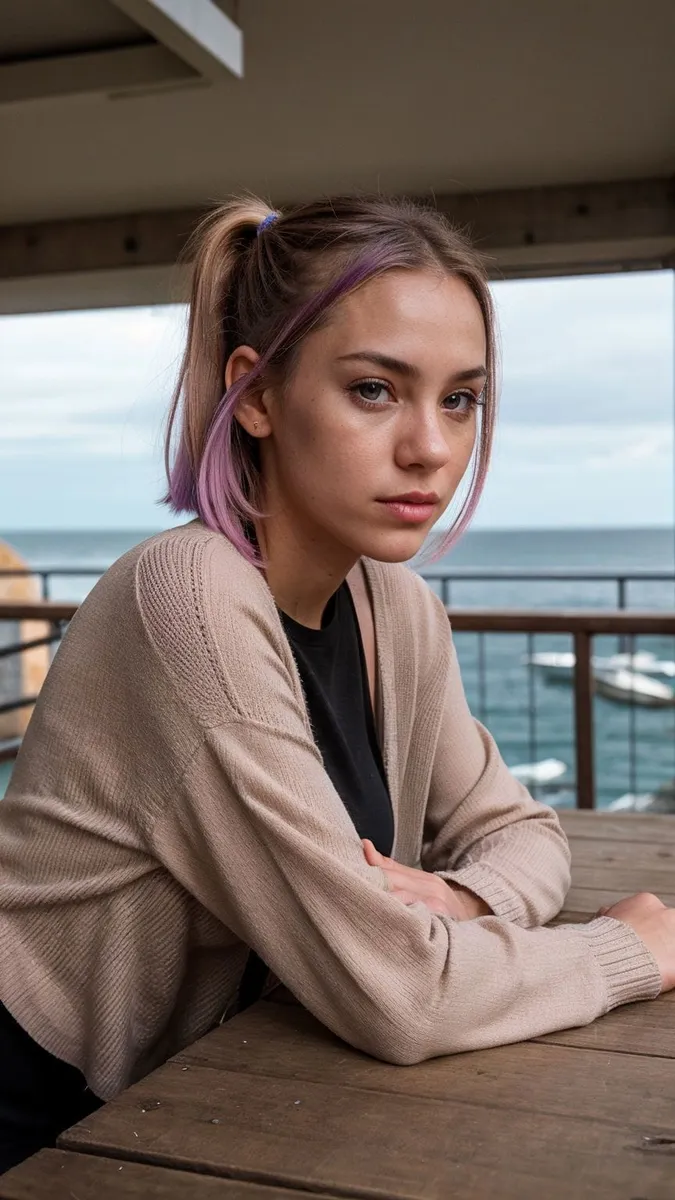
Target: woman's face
381	402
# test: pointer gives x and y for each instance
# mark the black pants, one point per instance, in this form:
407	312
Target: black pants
40	1095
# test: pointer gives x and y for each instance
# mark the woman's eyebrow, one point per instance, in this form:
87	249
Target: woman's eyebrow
409	370
472	373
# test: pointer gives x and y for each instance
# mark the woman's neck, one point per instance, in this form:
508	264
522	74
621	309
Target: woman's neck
302	576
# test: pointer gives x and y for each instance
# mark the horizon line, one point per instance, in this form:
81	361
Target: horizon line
147	529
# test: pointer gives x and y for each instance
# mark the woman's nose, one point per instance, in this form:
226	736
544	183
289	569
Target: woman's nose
423	443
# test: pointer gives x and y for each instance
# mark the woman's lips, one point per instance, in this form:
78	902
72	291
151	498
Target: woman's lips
408	511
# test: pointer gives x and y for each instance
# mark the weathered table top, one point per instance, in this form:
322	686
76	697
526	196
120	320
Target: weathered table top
271	1105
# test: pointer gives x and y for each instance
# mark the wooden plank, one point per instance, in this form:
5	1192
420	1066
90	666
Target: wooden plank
367	1143
631	827
634	1029
62	1175
628	880
589	900
598	852
470	1181
291	1044
569	916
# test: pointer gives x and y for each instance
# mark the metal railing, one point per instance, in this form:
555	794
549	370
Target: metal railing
443	581
582	626
47	574
57	617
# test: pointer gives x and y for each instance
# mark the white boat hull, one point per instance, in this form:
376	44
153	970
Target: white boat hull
539	774
629	687
612	677
560	665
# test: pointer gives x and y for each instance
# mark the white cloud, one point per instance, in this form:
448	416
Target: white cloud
577	350
591	447
632	447
584	475
98	381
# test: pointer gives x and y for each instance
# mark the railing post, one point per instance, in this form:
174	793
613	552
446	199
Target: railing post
531	703
482	691
583	720
621	604
632	758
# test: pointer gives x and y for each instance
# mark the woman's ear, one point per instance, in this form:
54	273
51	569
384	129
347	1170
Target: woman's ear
250	412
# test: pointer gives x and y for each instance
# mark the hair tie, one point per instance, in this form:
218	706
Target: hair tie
268	220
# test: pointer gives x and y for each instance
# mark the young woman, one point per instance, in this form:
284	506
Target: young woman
252	760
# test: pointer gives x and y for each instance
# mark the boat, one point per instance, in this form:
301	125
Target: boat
643	661
539	774
631	687
660	801
613	678
559	665
554	665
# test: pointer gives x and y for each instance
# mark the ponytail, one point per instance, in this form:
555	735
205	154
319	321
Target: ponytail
218	244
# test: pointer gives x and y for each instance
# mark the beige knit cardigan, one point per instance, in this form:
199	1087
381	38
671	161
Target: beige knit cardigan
169	809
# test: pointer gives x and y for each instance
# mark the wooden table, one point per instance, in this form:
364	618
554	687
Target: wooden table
272	1106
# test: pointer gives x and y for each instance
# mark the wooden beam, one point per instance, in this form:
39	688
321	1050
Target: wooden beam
95	243
590	621
196	30
37	610
622	226
92	72
571	229
95	289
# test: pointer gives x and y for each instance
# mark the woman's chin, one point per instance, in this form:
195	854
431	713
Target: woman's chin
395	545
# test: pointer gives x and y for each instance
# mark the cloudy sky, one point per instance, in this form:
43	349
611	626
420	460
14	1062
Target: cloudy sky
585	435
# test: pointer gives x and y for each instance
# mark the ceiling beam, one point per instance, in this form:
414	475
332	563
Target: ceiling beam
573	228
589	228
196	30
91	72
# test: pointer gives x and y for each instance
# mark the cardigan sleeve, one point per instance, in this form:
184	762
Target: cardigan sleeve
483	830
257	834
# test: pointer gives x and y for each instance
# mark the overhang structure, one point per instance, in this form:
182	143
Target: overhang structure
546	128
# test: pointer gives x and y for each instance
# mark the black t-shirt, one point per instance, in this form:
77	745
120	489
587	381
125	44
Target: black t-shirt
332	667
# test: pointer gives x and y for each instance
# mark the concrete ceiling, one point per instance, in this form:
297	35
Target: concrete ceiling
40	28
423	96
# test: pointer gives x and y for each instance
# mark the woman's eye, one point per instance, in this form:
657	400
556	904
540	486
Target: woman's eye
459	401
371	391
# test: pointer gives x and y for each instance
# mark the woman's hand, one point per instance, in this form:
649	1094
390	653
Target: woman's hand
654	922
410	886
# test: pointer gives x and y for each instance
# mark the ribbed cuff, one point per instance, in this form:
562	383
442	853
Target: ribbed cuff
631	972
482	880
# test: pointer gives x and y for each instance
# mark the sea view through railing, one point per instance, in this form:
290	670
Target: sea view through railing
530	711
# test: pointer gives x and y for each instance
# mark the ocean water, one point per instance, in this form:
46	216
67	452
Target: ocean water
530	718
